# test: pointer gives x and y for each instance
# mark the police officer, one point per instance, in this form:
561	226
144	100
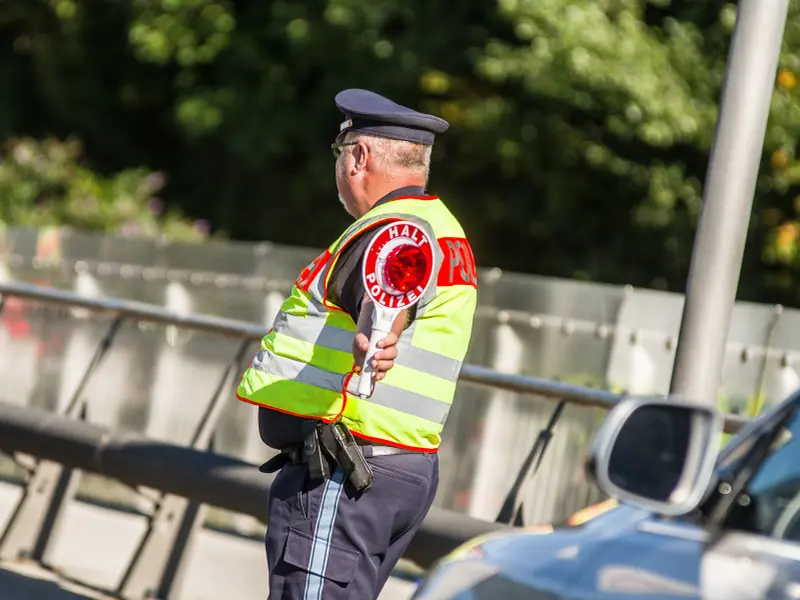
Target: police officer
358	475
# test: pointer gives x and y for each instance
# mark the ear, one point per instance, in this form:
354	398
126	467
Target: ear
361	156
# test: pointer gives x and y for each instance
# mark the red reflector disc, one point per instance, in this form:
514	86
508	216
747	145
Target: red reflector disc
405	268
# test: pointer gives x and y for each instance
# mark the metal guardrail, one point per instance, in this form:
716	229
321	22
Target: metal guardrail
259	283
522	384
189	478
205	477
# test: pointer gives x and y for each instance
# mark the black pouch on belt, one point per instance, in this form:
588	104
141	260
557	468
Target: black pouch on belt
318	465
340	443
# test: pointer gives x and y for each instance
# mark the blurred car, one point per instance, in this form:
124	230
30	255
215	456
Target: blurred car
682	523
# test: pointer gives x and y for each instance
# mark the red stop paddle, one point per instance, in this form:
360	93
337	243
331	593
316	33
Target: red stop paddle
397	269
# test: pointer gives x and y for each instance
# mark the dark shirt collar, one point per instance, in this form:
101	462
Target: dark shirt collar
409	190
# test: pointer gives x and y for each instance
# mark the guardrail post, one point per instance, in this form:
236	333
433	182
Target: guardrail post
511	511
5	271
36	520
158	566
492	470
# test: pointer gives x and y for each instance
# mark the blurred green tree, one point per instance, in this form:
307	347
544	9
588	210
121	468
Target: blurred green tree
580	128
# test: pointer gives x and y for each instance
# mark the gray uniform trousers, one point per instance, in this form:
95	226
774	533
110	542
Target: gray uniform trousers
324	542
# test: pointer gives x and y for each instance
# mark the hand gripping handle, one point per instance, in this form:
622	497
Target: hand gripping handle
365	383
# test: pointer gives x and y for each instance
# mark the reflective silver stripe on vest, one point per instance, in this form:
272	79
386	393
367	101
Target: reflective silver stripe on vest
427	362
411	403
385	395
315	331
280	366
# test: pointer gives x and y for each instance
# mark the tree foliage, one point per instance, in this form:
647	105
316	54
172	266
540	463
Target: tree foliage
580	128
44	184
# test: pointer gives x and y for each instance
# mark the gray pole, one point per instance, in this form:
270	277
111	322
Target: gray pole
728	198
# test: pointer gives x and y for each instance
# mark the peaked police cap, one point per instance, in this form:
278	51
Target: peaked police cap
373	114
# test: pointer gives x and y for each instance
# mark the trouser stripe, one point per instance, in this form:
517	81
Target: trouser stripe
323	532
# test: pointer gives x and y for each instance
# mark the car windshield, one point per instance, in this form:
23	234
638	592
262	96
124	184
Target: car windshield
739	447
770	503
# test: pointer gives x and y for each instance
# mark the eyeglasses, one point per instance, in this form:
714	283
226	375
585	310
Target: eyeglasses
337	147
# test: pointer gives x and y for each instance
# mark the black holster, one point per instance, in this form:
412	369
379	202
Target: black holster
340	444
310	454
314	455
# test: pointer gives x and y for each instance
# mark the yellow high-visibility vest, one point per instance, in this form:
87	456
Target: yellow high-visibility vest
305	358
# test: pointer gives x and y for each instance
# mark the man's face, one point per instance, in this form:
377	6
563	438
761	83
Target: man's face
344	180
341	182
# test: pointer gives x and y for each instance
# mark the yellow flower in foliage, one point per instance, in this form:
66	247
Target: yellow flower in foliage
435	82
786	236
786	79
780	159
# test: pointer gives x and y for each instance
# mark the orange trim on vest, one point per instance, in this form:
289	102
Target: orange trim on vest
394	444
308	273
359	435
280	410
426	198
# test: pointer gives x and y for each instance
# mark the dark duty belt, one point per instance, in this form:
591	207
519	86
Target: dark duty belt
322	449
294	455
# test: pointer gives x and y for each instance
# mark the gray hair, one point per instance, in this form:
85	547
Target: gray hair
394	157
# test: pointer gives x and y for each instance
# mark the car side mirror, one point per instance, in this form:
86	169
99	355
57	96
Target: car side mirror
656	454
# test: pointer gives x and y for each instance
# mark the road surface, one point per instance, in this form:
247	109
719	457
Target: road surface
97	543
